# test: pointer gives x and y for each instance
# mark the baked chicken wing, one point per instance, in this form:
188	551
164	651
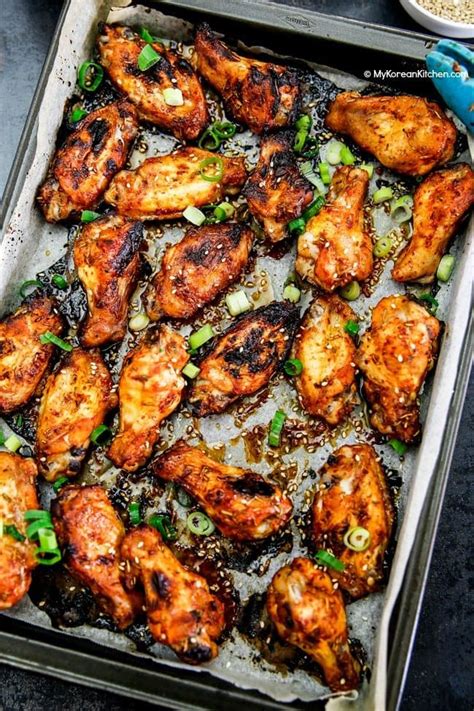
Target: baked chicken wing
309	613
395	356
108	263
182	612
84	165
440	203
407	134
353	494
23	358
119	49
244	358
150	389
241	503
326	386
335	249
261	95
276	191
17	557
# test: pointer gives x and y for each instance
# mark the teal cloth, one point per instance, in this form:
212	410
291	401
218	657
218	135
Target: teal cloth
452	67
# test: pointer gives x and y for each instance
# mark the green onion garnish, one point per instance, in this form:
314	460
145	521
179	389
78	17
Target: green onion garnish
134	514
303	127
29	284
352	328
224	129
311	148
399	447
59	281
191	371
431	301
200	337
47	539
12	531
357	539
89	216
329	560
101	434
351	291
297	225
59	483
308	172
402	209
163	524
383	247
445	267
314	208
382	195
12	443
293	367
216	175
304	123
147	36
41	524
184	498
147	58
138	322
47	557
237	303
76	115
50	338
200	524
347	157
194	215
209	140
173	96
276	428
2	438
368	167
19	421
90	76
324	173
36	514
291	293
223	211
333	154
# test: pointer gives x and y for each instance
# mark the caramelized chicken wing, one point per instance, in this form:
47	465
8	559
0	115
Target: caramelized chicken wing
309	613
261	95
17	495
241	503
433	223
84	165
150	389
326	386
335	249
244	358
407	134
194	271
353	493
182	612
23	358
90	533
395	356
108	263
75	401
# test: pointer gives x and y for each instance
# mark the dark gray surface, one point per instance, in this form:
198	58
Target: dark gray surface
440	675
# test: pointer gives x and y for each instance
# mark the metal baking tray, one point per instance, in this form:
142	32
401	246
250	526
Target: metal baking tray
347	45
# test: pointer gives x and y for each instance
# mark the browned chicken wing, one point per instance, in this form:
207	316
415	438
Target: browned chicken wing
440	203
182	612
353	493
108	263
309	612
23	358
326	387
150	389
84	165
244	358
17	558
395	356
405	133
90	533
335	249
241	503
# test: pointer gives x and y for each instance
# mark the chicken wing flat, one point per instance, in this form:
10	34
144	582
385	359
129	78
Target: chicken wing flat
182	612
353	493
150	389
326	386
90	533
241	503
407	134
75	401
276	191
84	165
244	358
309	613
17	558
23	358
119	49
162	188
395	356
194	271
262	95
106	255
433	224
335	249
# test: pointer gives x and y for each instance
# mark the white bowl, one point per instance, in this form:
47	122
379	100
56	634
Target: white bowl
440	25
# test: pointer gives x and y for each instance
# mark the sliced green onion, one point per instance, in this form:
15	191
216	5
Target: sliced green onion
12	443
314	208
351	291
224	129
368	167
304	123
147	36
2	438
445	267
382	195
311	148
399	447
173	96
297	225
47	539
303	127
37	514
19	421
352	328
90	76
308	172
223	211
59	483
383	246
402	209
237	303
194	215
324	173
201	336
51	338
134	514
347	156
184	498
191	371
209	140
12	531
138	322
47	557
76	115
431	301
276	428
163	524
212	161
34	528
29	284
59	281
293	366
333	155
147	58
357	539
101	434
291	293
200	524
89	216
329	560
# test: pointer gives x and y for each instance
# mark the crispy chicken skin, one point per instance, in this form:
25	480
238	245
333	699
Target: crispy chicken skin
276	191
353	492
17	495
262	95
182	612
241	503
119	48
150	389
309	613
407	134
75	401
395	356
107	259
162	188
440	203
326	387
194	271
244	358
23	358
335	249
90	534
84	165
